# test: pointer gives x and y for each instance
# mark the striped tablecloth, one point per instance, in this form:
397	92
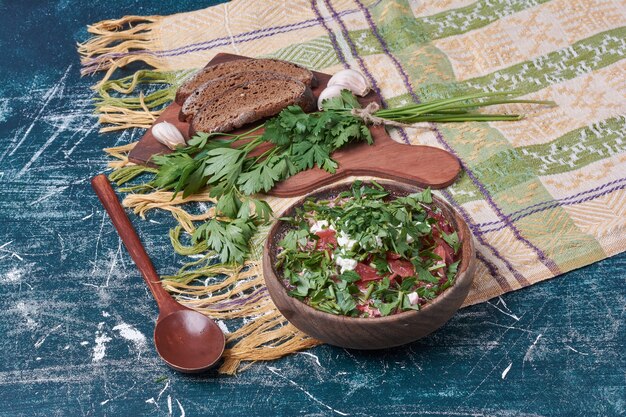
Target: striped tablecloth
542	196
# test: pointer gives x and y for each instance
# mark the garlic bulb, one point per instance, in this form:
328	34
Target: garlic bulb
168	134
351	80
330	92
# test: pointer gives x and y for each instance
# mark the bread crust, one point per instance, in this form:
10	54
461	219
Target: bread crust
251	64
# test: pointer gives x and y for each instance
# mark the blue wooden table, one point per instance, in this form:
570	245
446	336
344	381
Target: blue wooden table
76	320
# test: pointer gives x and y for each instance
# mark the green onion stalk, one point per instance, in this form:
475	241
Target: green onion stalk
456	109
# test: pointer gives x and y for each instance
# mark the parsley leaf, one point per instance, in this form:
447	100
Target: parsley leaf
452	240
345	101
345	302
261	178
229	239
224	164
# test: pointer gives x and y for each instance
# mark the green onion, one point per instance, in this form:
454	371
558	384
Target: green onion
455	109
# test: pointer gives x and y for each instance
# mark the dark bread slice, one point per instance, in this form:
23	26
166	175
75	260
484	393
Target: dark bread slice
251	102
219	70
213	88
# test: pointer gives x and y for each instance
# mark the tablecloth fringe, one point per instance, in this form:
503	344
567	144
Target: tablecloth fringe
115	44
113	39
133	101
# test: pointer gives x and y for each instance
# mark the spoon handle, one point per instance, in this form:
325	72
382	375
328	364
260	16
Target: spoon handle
127	233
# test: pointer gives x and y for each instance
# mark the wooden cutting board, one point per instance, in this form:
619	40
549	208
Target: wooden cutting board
424	166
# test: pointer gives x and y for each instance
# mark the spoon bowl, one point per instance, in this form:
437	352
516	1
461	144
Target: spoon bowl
186	340
191	330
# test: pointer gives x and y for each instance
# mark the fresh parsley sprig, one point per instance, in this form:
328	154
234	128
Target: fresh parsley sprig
237	166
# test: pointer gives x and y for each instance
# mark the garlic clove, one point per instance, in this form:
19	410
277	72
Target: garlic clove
329	92
351	80
168	134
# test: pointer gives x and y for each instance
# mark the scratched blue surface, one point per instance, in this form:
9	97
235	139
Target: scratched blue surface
76	321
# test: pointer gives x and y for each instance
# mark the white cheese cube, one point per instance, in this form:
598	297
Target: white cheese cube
344	241
409	239
345	264
320	225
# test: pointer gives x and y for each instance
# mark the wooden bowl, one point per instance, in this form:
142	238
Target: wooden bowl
379	332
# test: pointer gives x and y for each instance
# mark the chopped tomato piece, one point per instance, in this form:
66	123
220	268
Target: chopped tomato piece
393	255
327	239
373	312
395	278
443	223
366	272
401	267
362	286
444	251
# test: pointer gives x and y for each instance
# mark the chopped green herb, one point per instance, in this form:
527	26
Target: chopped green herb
353	256
452	240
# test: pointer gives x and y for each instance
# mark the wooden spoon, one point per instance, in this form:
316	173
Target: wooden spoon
186	340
